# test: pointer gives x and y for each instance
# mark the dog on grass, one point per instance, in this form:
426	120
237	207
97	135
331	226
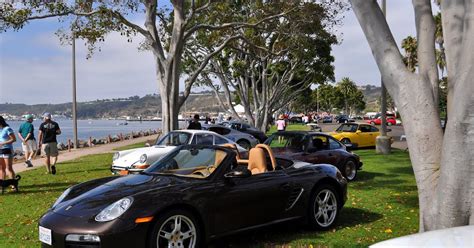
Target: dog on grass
10	182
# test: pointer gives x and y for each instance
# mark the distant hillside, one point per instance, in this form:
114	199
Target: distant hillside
147	106
371	95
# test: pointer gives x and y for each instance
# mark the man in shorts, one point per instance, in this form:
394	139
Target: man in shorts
28	141
48	143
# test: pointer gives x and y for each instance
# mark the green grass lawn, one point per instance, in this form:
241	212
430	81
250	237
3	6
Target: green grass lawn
291	127
132	146
382	204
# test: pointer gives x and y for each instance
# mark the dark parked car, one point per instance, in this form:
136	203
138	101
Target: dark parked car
344	119
316	148
295	119
327	119
244	140
194	194
246	128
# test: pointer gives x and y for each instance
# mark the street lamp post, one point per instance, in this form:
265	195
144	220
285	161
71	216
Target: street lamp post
383	145
74	102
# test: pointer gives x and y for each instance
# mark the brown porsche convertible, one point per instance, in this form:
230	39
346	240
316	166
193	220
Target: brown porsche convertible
316	148
194	194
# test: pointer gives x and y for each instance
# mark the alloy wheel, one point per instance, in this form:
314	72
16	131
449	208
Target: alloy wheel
350	170
325	208
178	231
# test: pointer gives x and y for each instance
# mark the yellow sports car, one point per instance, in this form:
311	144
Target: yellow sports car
359	135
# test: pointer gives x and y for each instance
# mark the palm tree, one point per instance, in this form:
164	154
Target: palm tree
440	54
410	45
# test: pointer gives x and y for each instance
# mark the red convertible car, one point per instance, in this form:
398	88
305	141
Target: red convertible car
378	121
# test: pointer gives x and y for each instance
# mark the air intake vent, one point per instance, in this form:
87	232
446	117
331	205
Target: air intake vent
294	196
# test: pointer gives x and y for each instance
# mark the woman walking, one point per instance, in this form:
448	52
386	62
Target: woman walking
7	137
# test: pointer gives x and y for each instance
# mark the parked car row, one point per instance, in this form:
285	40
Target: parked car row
193	186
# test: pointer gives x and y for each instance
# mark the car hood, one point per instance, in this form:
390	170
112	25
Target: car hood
91	202
336	134
153	153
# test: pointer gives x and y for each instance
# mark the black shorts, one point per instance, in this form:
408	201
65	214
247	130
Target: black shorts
6	151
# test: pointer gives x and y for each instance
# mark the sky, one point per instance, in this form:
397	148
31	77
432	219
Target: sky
36	68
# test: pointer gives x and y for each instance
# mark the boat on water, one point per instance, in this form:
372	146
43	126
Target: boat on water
122	123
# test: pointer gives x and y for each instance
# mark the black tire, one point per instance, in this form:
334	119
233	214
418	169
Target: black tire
319	223
349	171
165	221
346	141
245	144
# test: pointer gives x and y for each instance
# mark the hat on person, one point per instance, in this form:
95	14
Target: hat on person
47	115
28	116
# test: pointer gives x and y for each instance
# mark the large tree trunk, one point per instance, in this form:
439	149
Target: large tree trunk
443	164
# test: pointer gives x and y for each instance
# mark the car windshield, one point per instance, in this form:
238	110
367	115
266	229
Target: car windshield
347	128
191	161
174	139
291	141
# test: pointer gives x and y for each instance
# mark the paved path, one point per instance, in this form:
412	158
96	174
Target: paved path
74	154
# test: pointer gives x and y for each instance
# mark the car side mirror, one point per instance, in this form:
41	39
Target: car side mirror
358	131
241	173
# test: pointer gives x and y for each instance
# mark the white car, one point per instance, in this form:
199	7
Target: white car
458	237
136	160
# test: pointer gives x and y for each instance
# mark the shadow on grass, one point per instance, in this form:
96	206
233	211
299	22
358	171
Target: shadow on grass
49	185
367	175
286	232
402	170
82	171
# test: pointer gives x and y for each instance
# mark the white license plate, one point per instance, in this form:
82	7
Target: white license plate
45	235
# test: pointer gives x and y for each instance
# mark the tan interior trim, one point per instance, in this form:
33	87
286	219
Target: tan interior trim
270	153
242	161
232	146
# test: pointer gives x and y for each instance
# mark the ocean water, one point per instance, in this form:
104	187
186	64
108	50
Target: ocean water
91	128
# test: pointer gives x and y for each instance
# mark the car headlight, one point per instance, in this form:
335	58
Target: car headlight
143	158
116	156
114	210
61	197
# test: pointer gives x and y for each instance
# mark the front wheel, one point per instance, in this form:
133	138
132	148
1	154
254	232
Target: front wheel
350	170
324	207
176	228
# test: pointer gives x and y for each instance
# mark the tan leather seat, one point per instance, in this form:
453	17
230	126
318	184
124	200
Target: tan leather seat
257	162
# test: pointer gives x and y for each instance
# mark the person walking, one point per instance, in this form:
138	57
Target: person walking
28	141
280	123
195	124
7	138
48	142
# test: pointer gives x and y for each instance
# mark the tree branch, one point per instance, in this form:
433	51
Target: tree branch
425	27
195	74
197	27
381	41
